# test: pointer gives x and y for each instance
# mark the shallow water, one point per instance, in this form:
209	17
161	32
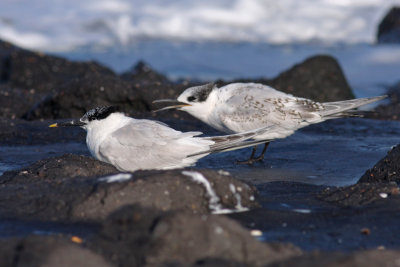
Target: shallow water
336	153
16	228
15	157
332	153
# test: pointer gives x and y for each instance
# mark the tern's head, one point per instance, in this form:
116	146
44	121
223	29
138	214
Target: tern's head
194	100
196	95
91	117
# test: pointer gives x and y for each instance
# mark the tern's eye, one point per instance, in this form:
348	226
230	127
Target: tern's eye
191	98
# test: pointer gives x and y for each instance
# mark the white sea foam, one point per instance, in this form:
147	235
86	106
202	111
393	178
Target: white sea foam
66	24
306	211
120	177
214	201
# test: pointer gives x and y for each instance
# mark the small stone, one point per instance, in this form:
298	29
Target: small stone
255	232
365	231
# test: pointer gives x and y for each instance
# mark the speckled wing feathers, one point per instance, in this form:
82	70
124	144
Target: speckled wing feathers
255	112
243	107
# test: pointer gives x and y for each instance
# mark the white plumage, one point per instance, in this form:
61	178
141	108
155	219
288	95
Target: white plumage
240	107
132	144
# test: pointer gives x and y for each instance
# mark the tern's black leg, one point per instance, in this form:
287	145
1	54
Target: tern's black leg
261	157
252	159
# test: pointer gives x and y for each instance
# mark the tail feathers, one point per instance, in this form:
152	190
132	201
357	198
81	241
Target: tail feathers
345	108
235	141
241	145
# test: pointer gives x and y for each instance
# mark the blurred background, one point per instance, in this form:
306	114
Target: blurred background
212	39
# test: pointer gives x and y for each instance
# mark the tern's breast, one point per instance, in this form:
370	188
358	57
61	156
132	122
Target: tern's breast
92	143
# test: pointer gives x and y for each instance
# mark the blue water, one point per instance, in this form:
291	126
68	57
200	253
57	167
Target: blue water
336	152
16	157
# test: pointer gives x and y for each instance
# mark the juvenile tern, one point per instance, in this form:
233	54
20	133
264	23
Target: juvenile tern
241	107
132	144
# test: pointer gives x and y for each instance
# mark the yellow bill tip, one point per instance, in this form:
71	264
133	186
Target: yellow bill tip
53	125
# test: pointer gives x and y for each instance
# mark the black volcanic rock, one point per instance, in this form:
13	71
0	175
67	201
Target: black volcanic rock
389	27
363	258
50	250
136	236
38	86
388	111
386	170
49	87
144	73
360	194
319	78
73	187
56	169
378	183
45	73
80	94
15	102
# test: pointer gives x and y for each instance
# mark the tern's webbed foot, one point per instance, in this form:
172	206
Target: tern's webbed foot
242	162
252	159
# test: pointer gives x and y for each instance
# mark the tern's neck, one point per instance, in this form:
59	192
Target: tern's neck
98	131
203	110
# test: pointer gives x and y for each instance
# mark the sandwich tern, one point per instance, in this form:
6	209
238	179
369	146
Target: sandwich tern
132	144
241	107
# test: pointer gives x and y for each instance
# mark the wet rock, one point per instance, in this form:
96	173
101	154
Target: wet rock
152	85
212	262
359	259
169	190
147	238
57	88
386	170
389	27
144	73
319	78
125	235
379	182
47	251
80	94
31	70
83	93
211	237
30	77
359	194
49	189
56	169
15	102
49	87
388	111
69	188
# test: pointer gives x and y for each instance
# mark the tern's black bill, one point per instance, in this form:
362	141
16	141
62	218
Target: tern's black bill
68	123
176	104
